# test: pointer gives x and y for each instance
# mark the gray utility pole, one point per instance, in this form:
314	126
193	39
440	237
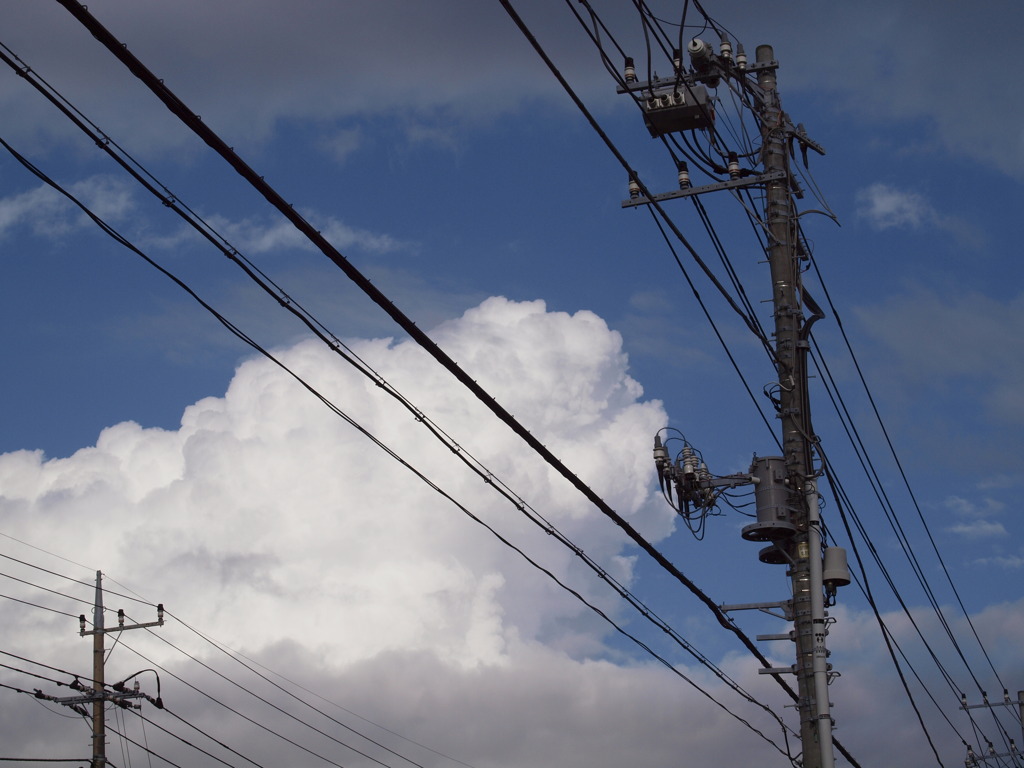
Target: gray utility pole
791	348
786	486
99	696
975	760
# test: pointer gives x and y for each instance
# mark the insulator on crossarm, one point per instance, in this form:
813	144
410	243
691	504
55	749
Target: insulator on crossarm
630	71
741	57
634	188
734	166
677	60
726	48
684	175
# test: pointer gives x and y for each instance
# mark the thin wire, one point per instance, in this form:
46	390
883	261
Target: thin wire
233	653
110	231
36	605
902	472
197	729
90	585
193	121
33	546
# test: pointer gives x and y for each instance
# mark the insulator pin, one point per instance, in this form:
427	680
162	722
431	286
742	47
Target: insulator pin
684	175
734	166
630	71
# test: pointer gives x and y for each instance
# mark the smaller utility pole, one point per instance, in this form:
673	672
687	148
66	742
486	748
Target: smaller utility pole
99	696
975	760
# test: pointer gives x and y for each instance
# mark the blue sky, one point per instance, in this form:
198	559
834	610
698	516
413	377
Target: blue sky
439	155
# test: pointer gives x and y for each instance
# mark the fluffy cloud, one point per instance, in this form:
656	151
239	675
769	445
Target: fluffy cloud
261	488
272	526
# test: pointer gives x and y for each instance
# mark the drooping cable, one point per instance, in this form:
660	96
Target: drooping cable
902	472
110	231
177	107
36	605
171	201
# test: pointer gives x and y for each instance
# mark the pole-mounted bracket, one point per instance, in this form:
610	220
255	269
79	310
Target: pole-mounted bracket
749	181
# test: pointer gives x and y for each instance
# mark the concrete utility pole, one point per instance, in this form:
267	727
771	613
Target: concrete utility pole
786	486
99	696
794	412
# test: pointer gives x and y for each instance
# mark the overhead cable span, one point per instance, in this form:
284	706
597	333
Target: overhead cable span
210	137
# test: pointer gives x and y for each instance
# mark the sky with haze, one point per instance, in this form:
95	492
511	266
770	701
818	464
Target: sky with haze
356	563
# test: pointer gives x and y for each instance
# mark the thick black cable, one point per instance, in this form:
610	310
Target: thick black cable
177	107
110	231
171	201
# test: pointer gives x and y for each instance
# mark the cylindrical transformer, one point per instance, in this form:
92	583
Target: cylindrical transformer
772	497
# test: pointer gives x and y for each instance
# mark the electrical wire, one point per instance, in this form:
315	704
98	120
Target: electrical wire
756	220
55	573
109	230
36	605
193	122
173	202
993	670
237	657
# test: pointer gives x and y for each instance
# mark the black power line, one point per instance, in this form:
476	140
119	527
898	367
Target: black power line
179	109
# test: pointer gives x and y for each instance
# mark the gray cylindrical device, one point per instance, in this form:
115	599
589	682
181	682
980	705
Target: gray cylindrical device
772	496
835	572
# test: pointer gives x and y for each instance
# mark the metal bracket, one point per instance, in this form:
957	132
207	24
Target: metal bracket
776	670
785	605
750	181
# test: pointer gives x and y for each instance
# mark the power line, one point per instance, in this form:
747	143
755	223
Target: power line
652	617
177	107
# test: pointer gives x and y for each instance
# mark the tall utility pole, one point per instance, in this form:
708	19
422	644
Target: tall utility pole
791	348
786	486
99	696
